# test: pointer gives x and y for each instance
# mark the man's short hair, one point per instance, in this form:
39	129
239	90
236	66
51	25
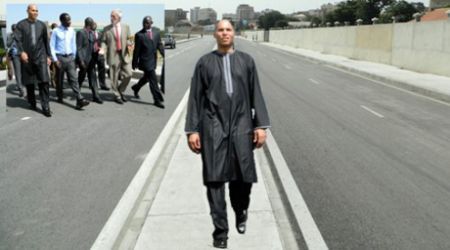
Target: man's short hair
61	17
217	23
118	11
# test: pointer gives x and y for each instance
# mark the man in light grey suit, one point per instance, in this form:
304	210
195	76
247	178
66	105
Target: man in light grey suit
115	47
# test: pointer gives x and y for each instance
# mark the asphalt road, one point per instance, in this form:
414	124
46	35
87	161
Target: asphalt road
61	177
371	161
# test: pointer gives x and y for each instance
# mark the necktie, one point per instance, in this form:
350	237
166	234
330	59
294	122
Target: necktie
118	43
95	42
150	34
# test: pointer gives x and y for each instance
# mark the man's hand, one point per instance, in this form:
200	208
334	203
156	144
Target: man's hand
24	57
49	61
194	142
259	137
101	51
82	65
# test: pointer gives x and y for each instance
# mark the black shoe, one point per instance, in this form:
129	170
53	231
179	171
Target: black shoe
135	91
124	99
33	107
241	221
118	100
81	103
220	243
60	100
104	88
159	105
47	112
97	100
20	93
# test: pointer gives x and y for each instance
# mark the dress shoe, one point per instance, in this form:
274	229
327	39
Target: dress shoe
135	91
97	100
118	100
159	105
60	100
220	243
241	221
124	99
81	103
104	88
33	107
47	112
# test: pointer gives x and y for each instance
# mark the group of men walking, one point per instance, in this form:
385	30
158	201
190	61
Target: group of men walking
32	51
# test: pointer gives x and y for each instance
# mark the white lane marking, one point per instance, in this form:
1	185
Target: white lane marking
25	118
287	66
373	112
388	85
112	228
314	81
305	221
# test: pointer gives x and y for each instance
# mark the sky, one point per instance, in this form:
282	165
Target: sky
132	13
229	6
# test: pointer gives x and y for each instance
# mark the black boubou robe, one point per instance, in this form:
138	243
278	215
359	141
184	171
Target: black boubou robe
224	120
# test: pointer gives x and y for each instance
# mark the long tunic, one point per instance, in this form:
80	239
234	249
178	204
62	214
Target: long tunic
32	38
225	106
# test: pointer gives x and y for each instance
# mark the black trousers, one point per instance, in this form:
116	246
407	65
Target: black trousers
67	65
43	94
240	200
99	60
150	77
92	78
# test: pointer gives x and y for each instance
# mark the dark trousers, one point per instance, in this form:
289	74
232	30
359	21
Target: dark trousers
17	71
43	94
100	62
67	65
239	197
150	77
92	78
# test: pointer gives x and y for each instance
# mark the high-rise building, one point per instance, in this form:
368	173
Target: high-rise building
230	16
245	12
207	15
173	16
194	14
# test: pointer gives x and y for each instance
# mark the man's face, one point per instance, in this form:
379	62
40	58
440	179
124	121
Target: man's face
33	12
224	34
147	23
94	26
115	18
66	21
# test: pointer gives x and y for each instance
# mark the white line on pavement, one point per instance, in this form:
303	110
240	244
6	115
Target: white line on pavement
112	228
3	88
314	81
373	112
25	118
311	234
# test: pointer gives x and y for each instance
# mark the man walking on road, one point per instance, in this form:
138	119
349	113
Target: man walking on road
31	37
15	58
115	46
85	58
225	121
64	48
146	44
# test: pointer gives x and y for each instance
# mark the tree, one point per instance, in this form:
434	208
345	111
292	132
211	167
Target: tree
401	10
270	19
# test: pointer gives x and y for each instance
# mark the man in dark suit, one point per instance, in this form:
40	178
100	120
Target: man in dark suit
147	41
85	58
99	59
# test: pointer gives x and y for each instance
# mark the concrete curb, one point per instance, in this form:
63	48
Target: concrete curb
118	219
381	79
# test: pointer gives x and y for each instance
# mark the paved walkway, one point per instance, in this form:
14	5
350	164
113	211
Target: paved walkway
179	217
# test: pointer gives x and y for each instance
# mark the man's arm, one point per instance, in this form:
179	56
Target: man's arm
79	56
53	45
193	109
136	51
160	45
73	43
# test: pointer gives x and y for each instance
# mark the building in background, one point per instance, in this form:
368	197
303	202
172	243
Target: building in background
207	16
230	16
173	16
435	4
245	12
194	14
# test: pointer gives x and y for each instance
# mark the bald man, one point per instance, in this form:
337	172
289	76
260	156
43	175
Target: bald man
118	57
31	37
226	119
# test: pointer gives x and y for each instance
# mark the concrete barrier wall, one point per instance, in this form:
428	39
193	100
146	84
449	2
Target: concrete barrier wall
422	47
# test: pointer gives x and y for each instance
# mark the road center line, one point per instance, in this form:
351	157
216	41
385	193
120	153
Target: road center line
373	112
25	118
314	81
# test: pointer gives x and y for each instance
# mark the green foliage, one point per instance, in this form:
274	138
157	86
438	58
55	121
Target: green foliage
401	10
272	19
